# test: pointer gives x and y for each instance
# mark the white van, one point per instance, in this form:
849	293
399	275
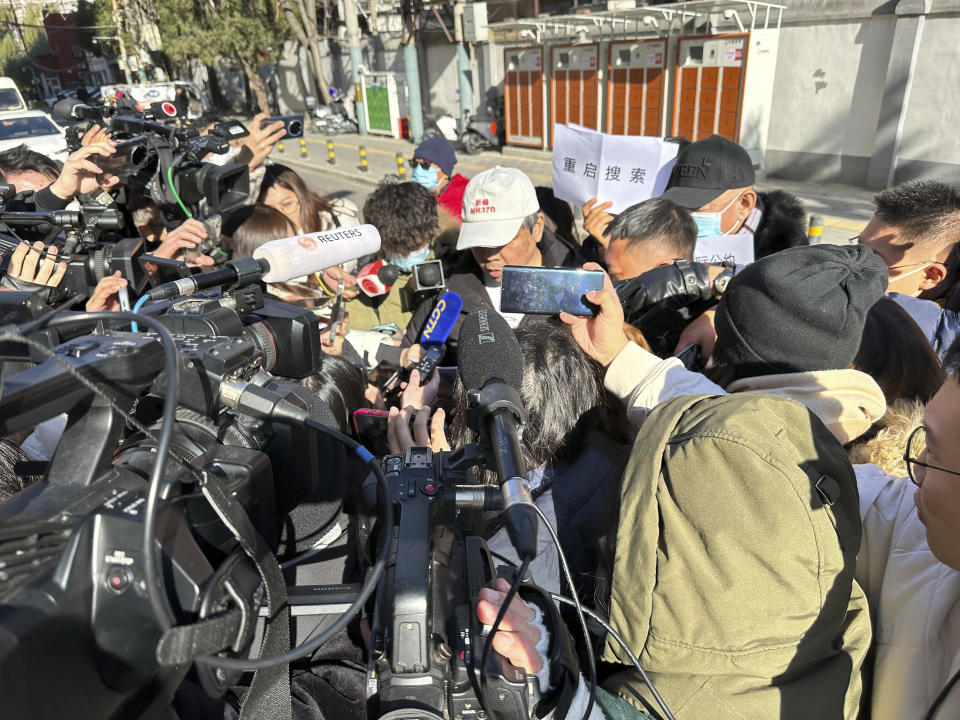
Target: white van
10	98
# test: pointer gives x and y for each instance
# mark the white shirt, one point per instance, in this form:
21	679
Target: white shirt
493	291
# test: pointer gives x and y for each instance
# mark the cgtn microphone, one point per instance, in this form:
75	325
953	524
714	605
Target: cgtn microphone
376	278
437	330
491	368
281	260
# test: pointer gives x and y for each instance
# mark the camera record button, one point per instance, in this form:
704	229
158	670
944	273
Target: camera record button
118	579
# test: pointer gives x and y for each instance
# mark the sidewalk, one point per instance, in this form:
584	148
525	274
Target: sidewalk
844	210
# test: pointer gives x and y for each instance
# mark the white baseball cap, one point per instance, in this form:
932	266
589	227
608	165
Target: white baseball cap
494	205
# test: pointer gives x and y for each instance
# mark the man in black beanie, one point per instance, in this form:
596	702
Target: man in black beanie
789	324
801	310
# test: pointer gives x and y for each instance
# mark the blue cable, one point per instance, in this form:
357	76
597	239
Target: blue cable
136	308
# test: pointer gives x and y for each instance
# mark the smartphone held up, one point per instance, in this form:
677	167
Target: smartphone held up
548	291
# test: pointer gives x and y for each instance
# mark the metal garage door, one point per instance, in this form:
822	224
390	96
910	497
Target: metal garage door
709	86
635	86
575	85
523	90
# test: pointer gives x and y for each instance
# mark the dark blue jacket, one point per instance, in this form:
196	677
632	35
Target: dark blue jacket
939	325
573	501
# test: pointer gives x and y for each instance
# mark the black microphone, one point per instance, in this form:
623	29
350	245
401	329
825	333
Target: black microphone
235	272
72	109
388	274
491	368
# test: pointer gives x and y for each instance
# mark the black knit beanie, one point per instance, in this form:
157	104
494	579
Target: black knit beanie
799	310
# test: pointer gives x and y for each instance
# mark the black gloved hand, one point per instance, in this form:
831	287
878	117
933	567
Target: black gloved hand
662	301
670	287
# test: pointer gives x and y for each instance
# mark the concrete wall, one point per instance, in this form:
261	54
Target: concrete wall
930	143
867	92
826	98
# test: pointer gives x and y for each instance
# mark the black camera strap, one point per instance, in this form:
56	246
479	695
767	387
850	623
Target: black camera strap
269	693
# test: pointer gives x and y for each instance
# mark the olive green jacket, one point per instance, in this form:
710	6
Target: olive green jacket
733	573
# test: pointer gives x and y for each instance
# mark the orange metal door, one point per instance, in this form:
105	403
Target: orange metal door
523	95
635	83
575	85
708	93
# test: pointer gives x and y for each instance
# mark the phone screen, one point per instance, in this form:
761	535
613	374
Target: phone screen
548	291
371	427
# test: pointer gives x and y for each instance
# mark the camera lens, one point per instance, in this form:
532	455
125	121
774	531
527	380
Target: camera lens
138	156
295	128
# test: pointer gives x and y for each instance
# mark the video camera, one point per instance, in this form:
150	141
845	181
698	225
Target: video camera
146	556
89	240
165	161
74	575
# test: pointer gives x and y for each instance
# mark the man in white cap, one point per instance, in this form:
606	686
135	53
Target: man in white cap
502	225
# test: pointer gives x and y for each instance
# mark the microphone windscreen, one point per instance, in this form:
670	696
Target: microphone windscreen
63	109
369	280
301	255
442	319
487	349
430	275
388	274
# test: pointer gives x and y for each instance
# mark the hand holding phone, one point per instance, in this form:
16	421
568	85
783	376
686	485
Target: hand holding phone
292	124
548	291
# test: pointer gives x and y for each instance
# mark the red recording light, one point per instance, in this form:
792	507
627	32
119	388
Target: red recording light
493	128
169	109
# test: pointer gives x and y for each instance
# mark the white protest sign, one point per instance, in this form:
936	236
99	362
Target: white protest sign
668	156
725	248
576	152
623	169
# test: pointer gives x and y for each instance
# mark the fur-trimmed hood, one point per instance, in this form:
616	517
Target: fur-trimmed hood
783	223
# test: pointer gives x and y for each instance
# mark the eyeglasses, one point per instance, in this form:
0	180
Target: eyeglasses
916	446
420	162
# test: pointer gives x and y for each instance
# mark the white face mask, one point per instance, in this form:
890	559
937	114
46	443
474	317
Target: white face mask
898	278
709	224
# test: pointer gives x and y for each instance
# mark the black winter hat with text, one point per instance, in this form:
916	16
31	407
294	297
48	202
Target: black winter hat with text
799	310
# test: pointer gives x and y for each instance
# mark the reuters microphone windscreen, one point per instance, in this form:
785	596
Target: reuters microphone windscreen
301	255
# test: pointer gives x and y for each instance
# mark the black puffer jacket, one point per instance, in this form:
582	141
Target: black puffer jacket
783	223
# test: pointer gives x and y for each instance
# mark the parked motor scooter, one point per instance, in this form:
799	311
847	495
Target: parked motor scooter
331	119
445	125
482	132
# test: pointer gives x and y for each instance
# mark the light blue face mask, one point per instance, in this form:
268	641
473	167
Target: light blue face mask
406	263
428	177
709	224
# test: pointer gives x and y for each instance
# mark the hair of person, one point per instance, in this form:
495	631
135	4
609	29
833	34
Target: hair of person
142	208
658	222
951	360
926	212
10	481
311	204
563	394
339	384
895	352
530	221
21	159
558	213
248	227
883	445
406	216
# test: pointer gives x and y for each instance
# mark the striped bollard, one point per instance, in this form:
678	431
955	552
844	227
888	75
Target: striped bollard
331	155
363	160
401	168
815	232
303	149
